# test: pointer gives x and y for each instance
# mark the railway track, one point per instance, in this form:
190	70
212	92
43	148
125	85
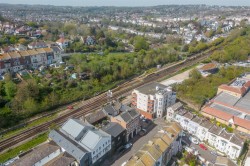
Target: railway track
92	104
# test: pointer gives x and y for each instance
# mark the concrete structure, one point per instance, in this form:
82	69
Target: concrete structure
152	100
84	142
160	149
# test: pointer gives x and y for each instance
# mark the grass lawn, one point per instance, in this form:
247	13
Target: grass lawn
30	125
24	147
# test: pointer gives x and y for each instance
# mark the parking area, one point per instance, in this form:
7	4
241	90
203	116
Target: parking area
207	154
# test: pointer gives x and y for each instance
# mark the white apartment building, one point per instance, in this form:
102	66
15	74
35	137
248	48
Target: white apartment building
204	130
87	144
152	100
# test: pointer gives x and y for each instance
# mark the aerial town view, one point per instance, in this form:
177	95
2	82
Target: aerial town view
125	83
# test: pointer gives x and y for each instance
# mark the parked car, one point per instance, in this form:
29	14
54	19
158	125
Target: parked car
203	146
70	107
128	145
123	164
144	130
194	140
214	153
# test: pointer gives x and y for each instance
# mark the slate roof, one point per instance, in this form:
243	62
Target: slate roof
225	134
74	128
63	159
95	117
72	147
128	116
36	154
55	48
110	110
215	130
177	106
188	115
236	140
206	123
197	119
113	128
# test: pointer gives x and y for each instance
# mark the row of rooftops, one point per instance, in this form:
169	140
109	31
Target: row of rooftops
154	149
212	128
227	106
41	152
19	54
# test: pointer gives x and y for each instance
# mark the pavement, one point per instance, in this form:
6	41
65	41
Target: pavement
205	154
179	78
138	142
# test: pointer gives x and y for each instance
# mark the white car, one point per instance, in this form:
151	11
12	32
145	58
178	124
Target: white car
123	164
194	140
128	145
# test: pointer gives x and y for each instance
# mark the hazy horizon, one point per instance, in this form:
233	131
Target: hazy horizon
128	2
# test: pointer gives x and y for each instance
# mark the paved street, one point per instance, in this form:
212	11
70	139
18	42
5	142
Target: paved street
206	154
138	142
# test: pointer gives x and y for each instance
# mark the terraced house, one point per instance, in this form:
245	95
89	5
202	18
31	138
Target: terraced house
18	60
159	151
205	130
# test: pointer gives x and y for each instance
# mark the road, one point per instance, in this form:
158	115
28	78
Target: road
206	154
138	142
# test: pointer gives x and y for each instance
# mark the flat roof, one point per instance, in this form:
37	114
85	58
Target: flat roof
150	89
226	98
226	109
244	102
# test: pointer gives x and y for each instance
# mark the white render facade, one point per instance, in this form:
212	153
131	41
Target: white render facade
154	99
205	131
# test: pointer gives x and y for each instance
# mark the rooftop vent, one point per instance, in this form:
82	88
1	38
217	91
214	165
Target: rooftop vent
157	88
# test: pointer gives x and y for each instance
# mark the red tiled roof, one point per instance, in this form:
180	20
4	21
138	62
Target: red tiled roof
61	40
217	113
229	106
225	116
209	66
247	84
242	122
240	91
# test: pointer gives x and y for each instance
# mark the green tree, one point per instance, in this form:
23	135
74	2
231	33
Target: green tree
10	89
140	43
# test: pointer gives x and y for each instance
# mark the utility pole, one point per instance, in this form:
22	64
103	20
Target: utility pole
109	96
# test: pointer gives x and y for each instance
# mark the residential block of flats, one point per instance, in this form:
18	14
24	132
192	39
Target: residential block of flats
206	131
152	100
159	151
231	105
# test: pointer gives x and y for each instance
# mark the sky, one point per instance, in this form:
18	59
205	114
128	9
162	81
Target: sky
128	2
